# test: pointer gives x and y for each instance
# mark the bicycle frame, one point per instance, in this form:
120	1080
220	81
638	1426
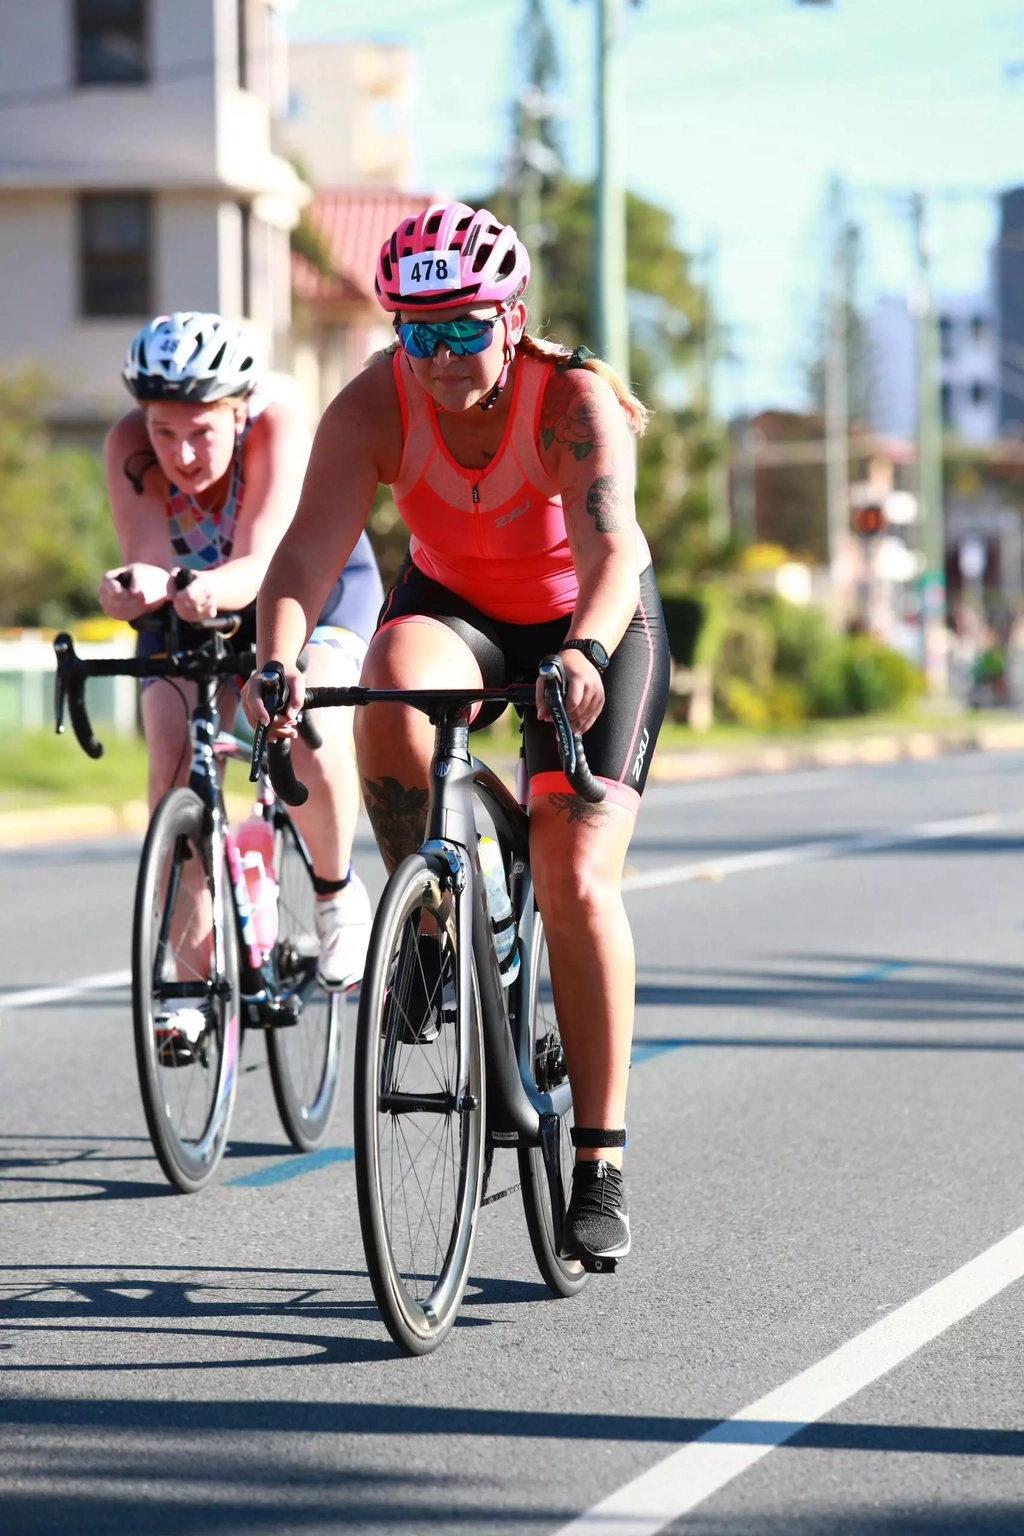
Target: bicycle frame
518	1112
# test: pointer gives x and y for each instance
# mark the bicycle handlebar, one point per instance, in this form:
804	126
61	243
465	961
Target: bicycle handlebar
72	671
293	792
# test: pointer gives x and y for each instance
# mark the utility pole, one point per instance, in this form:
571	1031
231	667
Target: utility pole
535	158
929	462
718	471
611	316
837	416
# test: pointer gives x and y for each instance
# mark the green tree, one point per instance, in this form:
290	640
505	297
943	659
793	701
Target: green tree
55	528
668	316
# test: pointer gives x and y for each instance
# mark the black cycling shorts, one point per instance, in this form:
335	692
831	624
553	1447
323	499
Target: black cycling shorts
620	744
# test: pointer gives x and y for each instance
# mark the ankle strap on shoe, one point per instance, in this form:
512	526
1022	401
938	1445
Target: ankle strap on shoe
586	1136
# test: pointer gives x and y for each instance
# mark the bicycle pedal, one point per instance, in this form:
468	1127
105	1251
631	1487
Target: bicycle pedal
598	1266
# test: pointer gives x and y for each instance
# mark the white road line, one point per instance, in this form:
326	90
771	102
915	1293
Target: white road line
682	1481
38	997
753	785
827	848
672	874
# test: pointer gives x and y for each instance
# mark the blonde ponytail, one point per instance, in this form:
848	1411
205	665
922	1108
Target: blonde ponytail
633	408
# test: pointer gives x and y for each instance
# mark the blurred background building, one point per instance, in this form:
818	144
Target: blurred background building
140	171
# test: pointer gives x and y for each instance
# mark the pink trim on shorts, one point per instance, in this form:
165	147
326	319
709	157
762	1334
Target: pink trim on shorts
554	782
643	696
424	618
413	618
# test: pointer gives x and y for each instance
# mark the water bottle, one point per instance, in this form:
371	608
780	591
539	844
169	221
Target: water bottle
255	838
499	910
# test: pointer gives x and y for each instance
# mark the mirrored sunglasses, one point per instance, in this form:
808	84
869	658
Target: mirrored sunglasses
421	338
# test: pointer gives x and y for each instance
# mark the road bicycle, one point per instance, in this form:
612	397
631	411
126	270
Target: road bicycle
195	939
449	1062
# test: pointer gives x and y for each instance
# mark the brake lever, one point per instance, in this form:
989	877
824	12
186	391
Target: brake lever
552	674
275	699
63	645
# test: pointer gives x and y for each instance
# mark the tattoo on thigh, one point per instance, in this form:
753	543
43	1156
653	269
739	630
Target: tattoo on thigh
578	809
603	504
398	816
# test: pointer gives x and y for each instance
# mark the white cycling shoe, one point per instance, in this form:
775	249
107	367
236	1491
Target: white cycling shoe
180	1030
343	928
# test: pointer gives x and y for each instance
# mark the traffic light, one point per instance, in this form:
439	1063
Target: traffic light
867	519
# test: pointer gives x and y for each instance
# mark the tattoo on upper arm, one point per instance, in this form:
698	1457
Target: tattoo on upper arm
578	809
570	416
603	501
398	815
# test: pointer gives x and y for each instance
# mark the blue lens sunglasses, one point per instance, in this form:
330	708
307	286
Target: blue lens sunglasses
463	338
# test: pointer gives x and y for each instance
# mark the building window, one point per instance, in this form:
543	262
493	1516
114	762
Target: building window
242	10
246	254
117	255
979	393
111	43
946	335
947	405
979	329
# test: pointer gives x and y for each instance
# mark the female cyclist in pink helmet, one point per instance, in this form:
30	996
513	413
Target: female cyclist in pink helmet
510	461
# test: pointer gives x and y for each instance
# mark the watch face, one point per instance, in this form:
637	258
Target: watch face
598	654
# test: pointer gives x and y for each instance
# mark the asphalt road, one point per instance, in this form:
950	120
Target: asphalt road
825	1123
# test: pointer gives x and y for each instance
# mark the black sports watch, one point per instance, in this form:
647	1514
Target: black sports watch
593	650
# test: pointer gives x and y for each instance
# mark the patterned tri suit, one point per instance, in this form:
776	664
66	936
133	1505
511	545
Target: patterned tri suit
490	560
203	539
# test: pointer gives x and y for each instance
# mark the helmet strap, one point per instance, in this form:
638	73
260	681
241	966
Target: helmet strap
507	359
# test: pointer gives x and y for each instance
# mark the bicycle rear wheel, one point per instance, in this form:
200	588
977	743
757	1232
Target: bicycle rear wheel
418	1110
304	1058
187	1070
563	1276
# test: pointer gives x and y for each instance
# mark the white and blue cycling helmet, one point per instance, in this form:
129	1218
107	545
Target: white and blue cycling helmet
191	356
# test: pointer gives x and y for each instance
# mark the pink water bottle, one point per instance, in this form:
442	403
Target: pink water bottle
256	849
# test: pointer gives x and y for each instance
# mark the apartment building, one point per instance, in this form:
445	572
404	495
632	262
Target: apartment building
140	172
969	346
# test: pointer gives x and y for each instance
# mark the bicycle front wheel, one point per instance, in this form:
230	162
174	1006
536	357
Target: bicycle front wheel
185	1002
418	1109
305	1057
563	1276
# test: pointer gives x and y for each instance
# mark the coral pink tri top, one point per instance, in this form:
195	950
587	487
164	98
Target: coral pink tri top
495	536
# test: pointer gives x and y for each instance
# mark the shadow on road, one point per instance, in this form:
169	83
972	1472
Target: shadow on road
224	1463
985	1518
893	990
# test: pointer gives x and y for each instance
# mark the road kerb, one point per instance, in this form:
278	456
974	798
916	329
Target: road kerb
74	823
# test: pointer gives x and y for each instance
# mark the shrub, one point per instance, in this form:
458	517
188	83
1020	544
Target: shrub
858	675
743	703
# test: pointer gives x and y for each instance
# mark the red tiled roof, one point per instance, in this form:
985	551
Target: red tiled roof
354	225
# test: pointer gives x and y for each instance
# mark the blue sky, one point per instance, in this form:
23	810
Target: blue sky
737	113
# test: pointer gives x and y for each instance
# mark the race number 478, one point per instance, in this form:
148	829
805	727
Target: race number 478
431	272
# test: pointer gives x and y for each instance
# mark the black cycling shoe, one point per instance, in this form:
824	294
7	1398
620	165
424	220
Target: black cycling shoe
417	993
596	1230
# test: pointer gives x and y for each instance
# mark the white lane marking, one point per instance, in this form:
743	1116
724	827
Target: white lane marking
672	874
37	997
675	1486
826	848
658	795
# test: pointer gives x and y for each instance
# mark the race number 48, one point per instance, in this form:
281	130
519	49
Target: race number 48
431	272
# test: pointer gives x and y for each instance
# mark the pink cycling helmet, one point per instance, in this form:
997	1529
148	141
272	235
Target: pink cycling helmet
465	257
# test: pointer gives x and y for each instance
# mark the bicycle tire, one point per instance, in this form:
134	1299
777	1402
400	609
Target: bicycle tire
418	1260
188	1102
305	1057
565	1277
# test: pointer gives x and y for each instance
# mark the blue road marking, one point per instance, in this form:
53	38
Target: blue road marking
880	972
643	1050
293	1167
